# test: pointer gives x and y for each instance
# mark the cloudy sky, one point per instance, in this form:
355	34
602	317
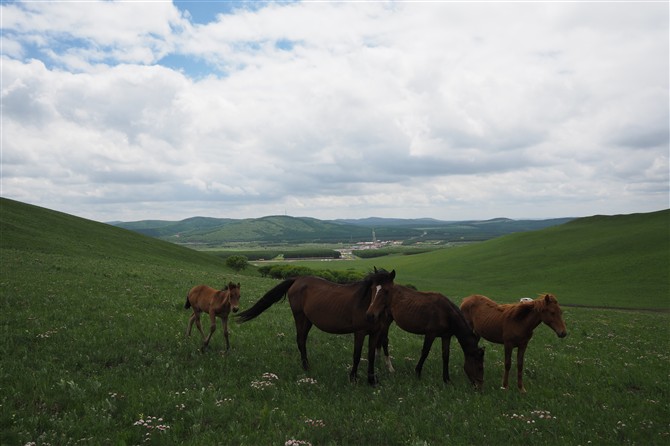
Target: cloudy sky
167	110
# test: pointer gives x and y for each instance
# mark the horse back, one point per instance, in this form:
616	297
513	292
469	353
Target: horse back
202	297
486	317
333	308
421	312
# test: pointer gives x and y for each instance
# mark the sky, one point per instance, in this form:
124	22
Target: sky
138	110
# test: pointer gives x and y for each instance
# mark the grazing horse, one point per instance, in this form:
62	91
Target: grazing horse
214	302
333	308
512	325
432	315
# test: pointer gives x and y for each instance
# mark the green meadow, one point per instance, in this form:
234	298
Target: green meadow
94	351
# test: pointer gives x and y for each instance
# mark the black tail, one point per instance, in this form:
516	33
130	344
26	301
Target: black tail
271	297
187	305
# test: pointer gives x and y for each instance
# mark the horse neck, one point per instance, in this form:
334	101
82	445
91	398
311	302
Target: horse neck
466	337
224	296
533	318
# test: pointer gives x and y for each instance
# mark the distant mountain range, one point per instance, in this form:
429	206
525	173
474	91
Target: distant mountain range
285	229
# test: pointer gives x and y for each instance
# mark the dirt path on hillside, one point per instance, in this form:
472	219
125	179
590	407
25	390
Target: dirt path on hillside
602	307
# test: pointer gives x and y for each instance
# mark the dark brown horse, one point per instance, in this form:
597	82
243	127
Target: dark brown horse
333	308
512	325
431	315
214	302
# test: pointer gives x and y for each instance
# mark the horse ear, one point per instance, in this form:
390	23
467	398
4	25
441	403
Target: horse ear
238	285
393	274
375	268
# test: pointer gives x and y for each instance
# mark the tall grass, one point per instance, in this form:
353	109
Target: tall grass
94	352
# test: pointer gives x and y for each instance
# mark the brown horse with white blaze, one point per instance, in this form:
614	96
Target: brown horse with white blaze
432	315
512	325
216	303
333	308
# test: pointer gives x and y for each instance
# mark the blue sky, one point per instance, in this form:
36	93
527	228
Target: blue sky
451	110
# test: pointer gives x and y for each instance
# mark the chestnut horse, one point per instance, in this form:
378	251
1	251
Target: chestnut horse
333	308
432	315
512	325
214	302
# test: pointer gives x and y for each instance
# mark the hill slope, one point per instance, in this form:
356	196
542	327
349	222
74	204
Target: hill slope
615	261
24	227
618	261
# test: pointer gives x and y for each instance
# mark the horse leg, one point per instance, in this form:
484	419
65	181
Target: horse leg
387	356
520	352
446	344
359	337
212	328
373	340
427	344
508	364
302	327
197	324
224	323
383	343
189	326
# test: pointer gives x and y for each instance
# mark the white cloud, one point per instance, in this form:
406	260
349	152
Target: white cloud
447	110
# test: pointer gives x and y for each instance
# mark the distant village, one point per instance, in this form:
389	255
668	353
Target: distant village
347	253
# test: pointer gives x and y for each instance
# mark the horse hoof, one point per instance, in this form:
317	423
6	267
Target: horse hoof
373	381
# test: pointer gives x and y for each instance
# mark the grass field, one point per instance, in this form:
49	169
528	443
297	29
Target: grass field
94	352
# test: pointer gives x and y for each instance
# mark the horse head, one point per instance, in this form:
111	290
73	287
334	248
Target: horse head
552	315
234	296
381	283
474	367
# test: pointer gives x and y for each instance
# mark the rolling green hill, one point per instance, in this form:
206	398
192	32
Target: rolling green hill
613	261
27	228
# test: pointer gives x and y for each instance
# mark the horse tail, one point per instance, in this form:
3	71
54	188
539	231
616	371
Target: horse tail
271	297
187	305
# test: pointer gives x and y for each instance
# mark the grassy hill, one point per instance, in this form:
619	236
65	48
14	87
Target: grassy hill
30	228
613	261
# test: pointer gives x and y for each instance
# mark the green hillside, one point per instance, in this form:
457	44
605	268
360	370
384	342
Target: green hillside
614	261
28	228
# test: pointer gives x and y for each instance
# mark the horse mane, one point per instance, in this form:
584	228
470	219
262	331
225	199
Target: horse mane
374	276
522	309
230	286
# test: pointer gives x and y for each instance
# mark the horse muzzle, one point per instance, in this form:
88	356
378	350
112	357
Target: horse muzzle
561	334
236	309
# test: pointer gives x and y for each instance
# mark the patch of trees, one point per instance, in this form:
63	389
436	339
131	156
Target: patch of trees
313	253
373	253
287	271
